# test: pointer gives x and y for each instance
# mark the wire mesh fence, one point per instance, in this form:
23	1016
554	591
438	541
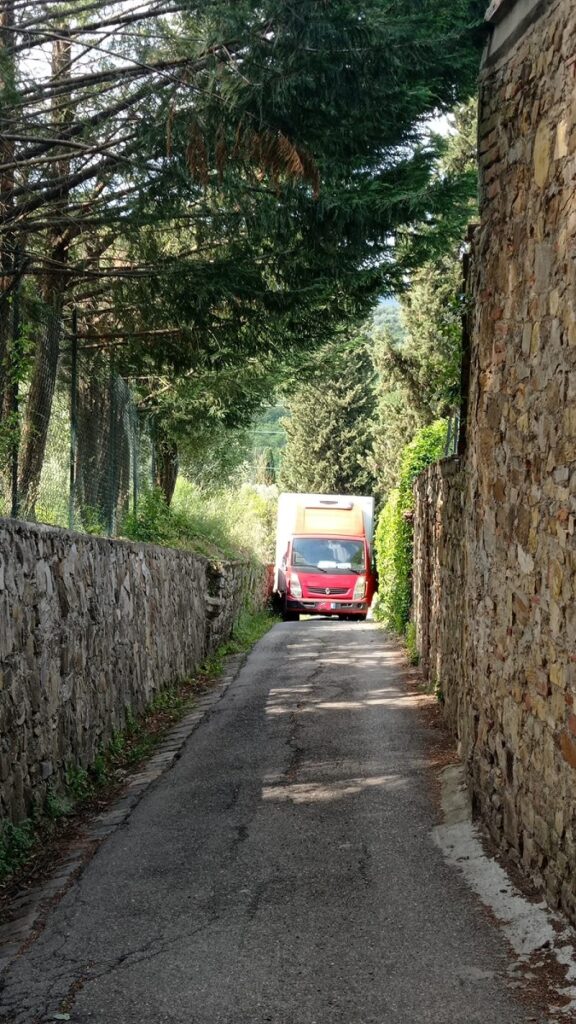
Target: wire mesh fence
452	434
74	450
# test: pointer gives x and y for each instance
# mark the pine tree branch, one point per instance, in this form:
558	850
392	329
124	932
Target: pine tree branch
38	37
127	72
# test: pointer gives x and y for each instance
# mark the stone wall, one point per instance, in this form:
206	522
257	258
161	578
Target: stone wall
515	714
89	629
438	577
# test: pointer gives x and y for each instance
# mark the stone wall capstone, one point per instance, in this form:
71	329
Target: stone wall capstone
515	617
90	629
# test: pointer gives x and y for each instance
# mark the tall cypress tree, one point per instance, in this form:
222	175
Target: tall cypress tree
330	427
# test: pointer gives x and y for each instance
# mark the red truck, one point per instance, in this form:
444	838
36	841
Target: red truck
324	557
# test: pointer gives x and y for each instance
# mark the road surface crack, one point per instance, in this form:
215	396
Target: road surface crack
234	796
364	862
295	763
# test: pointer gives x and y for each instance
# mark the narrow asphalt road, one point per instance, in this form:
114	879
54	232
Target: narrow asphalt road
283	871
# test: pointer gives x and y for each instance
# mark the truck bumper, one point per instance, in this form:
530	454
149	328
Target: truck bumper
310	606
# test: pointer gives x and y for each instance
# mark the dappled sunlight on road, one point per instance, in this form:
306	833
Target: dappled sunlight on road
278	705
301	700
399	701
363	659
354	680
327	792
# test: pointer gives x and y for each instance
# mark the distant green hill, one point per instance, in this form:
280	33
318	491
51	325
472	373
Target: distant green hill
268	432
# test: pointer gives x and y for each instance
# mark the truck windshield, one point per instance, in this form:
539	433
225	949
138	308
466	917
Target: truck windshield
330	554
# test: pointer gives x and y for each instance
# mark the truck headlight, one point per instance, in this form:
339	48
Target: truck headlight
295	586
359	588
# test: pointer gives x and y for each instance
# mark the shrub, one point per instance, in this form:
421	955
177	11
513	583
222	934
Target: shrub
394	532
16	844
411	645
230	523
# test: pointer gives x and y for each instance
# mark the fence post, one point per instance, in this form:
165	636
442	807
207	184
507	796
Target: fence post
448	445
73	418
465	366
111	452
135	455
153	466
14	400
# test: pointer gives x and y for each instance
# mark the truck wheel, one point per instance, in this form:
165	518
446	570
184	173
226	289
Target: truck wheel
290	616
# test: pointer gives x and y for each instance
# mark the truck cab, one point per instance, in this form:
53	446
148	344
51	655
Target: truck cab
326	563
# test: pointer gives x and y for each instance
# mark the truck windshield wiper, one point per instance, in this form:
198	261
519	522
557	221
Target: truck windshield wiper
335	570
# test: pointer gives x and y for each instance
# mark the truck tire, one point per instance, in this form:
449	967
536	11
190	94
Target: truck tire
290	616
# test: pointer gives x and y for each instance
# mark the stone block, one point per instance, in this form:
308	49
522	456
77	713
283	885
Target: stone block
568	748
541	154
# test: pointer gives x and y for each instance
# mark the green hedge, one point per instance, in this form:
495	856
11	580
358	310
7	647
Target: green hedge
394	532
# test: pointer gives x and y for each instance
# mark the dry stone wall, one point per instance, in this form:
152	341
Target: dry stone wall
439	577
515	543
91	629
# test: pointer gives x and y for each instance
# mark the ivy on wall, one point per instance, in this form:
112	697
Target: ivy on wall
394	532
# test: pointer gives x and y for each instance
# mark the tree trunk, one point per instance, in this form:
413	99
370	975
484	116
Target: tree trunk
43	382
6	198
9	269
165	464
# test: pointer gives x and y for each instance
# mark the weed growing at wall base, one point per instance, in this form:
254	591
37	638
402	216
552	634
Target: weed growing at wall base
439	692
411	646
16	844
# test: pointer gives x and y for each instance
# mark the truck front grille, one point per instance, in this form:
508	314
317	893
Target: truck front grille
328	591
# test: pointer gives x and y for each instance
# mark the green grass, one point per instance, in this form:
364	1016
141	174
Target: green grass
16	844
231	523
411	646
438	692
248	630
154	522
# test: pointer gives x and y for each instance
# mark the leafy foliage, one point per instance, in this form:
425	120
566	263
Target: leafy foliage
411	646
427	356
268	432
16	844
229	523
427	359
265	468
215	184
417	343
395	418
394	533
155	522
329	429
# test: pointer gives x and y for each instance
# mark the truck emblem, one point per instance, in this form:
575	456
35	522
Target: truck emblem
327	591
